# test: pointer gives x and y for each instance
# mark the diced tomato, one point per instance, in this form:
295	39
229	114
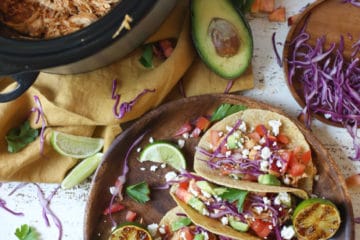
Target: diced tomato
184	184
202	123
292	19
306	157
115	207
255	6
196	132
186	234
296	169
271	138
261	228
183	194
278	15
267	6
223	149
185	128
226	169
130	216
288	157
283	139
249	177
166	47
261	130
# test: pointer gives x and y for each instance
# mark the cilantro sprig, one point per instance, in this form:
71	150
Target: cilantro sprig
235	195
146	58
25	232
139	192
226	109
19	137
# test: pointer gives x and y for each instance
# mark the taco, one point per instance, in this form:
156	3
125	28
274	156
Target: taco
253	148
175	225
235	213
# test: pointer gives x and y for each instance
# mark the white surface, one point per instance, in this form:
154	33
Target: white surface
270	87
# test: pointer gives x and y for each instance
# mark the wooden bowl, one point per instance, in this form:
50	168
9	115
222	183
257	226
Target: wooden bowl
329	18
162	123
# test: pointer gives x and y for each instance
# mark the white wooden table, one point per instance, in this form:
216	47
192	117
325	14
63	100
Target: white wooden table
270	87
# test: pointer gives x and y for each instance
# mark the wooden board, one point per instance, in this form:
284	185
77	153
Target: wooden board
329	18
162	123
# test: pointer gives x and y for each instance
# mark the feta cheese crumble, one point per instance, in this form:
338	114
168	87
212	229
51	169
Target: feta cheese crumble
287	232
265	153
152	228
275	125
169	176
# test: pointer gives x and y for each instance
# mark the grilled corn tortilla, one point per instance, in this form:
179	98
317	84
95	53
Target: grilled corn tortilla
252	118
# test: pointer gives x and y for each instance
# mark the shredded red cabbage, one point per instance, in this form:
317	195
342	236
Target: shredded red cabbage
45	202
121	180
277	55
331	83
125	107
356	3
3	206
229	86
39	110
357	220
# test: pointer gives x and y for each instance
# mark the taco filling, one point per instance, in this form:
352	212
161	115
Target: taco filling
237	213
247	149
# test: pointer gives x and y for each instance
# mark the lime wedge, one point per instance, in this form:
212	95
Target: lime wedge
315	219
75	146
81	171
164	152
130	231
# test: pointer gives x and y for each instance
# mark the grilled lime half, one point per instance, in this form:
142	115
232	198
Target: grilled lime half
316	218
130	231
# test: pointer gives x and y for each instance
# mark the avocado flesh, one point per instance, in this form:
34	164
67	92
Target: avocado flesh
211	18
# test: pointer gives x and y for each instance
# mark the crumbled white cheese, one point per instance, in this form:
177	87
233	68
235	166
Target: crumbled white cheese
162	229
262	140
170	176
142	169
228	128
163	165
275	125
138	149
245	152
317	177
151	140
287	180
206	235
279	164
185	135
282	197
287	232
225	220
220	133
258	210
205	212
112	190
152	228
228	153
206	194
181	143
264	166
266	201
153	168
257	147
242	126
265	153
327	115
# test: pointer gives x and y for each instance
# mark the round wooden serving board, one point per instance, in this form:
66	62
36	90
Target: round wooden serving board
162	123
329	18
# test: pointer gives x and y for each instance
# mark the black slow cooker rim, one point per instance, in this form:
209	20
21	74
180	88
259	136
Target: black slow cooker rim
40	54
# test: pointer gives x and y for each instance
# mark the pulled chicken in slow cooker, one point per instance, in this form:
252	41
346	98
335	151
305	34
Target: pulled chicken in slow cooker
52	18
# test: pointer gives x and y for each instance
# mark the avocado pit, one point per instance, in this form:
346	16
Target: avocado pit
224	37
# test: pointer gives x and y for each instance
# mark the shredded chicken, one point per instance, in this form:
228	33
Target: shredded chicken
52	18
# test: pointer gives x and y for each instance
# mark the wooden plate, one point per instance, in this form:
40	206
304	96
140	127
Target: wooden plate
162	123
330	18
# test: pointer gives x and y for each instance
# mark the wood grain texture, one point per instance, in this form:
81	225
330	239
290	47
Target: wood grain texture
162	123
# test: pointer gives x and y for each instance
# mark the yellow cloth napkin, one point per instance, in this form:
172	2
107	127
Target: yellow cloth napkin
82	105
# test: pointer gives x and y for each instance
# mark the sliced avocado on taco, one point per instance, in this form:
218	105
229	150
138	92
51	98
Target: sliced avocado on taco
176	225
254	148
240	214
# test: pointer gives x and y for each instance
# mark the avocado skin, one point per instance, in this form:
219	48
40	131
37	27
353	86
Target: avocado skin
226	67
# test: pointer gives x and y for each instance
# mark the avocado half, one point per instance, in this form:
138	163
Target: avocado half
222	37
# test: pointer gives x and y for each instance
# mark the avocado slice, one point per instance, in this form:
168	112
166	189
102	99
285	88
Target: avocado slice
222	37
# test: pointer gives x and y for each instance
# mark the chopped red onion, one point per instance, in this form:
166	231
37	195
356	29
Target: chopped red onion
125	107
356	3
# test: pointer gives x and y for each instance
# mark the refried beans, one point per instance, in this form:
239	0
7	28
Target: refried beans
52	18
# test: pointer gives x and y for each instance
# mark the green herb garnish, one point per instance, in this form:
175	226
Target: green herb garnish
139	192
20	137
226	109
25	232
147	57
235	195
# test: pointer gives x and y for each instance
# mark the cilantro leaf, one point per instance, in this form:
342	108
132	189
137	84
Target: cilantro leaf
139	192
226	109
17	138
25	232
147	56
235	195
